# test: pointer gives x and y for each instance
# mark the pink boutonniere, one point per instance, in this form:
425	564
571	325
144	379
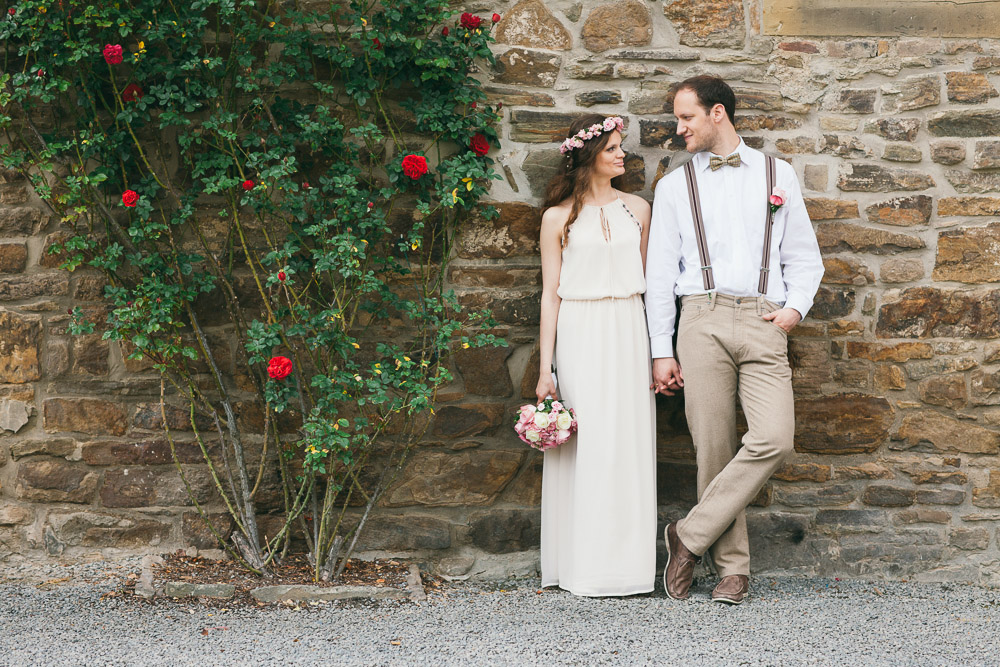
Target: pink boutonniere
777	199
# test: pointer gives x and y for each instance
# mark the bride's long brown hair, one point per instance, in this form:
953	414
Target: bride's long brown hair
576	170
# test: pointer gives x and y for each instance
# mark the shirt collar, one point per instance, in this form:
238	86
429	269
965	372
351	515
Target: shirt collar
704	157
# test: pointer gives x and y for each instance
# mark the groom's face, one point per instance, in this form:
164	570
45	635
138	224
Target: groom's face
694	123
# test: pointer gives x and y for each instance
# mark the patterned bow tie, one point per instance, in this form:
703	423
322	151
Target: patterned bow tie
716	163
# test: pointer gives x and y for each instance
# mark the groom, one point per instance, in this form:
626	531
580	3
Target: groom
711	221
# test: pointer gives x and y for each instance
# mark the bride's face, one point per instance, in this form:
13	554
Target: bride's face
610	162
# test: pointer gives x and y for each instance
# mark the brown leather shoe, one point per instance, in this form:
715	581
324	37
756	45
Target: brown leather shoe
732	589
679	572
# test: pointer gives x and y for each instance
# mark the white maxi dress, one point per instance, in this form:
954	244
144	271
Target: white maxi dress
599	488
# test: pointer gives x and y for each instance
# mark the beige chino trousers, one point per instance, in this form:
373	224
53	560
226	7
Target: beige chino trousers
726	350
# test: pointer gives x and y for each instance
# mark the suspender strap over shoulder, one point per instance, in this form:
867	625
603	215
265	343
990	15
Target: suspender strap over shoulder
708	280
765	260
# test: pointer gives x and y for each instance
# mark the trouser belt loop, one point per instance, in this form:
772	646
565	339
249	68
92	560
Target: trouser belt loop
711	300
761	305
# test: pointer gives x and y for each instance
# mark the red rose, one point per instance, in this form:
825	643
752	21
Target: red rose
130	197
414	166
113	54
444	31
378	44
11	11
306	186
470	21
41	72
132	92
371	205
281	276
479	144
496	17
279	368
247	185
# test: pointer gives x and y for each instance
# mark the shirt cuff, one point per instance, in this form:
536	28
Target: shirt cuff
800	304
661	346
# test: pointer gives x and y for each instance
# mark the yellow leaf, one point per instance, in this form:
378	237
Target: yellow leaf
356	346
468	186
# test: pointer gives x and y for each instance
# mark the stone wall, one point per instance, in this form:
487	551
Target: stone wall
896	370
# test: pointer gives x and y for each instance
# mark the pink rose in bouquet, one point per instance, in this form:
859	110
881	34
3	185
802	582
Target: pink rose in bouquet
546	425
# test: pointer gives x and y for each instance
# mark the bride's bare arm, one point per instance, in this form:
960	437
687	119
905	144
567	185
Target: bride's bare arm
550	242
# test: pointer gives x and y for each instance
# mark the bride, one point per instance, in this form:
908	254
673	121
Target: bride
599	488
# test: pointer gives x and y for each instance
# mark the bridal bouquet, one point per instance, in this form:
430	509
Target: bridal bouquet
546	425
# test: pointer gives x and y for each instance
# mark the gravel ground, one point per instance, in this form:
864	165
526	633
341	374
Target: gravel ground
60	616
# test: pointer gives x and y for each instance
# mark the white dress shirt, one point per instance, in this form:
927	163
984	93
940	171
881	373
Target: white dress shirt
734	205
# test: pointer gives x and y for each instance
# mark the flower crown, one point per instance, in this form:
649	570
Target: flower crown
595	130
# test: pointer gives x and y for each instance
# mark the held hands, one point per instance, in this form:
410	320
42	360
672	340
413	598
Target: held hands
667	376
546	387
786	318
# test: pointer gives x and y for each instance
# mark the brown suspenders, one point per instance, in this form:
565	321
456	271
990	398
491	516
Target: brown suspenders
699	228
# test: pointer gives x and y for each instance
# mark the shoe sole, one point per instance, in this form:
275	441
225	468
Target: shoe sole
666	539
728	601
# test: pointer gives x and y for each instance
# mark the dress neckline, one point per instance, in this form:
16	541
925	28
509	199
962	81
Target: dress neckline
613	201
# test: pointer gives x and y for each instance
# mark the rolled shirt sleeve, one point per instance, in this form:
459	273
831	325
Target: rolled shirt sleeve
801	261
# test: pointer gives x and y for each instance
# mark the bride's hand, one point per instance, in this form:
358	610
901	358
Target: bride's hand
545	388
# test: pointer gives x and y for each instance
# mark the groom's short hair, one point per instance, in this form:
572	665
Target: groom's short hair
711	90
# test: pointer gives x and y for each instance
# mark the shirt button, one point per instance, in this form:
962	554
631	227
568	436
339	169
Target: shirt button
739	300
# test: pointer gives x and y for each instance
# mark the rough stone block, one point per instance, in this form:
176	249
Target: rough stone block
717	23
921	515
448	479
846	271
989	495
931	312
829	304
659	134
882	495
529	23
902	153
853	520
770	123
875	178
969	255
509	306
504	531
842	424
870	470
902	211
19	338
411	532
55	481
843	145
985	387
840	236
819	496
969	123
851	100
901	270
518	97
899	352
973	182
821	208
15	515
796	146
13	257
84	415
969	539
969	87
19	220
986	154
939	477
101	529
527	68
912	93
20	287
927	427
969	206
468	419
940	496
197	534
540	126
514	233
484	370
149	487
946	390
816	177
803	472
592	97
947	152
617	24
894	129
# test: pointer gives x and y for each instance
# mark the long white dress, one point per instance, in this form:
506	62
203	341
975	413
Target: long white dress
599	488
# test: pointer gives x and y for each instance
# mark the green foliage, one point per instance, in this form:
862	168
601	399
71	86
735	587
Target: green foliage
243	161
